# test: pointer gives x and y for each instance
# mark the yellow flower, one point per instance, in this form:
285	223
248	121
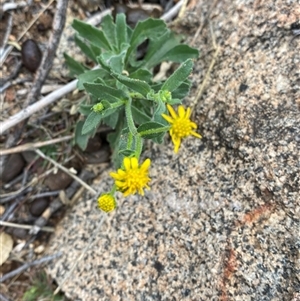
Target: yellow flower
133	178
107	203
181	125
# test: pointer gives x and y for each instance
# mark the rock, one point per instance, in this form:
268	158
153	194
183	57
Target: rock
58	181
38	206
20	233
31	55
222	216
13	167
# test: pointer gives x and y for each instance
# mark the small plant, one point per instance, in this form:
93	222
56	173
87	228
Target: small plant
121	93
41	290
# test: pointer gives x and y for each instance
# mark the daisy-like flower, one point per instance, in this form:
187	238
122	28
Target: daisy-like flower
133	178
181	125
107	203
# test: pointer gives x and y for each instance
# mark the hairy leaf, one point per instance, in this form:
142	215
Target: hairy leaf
121	30
90	76
75	67
180	53
105	92
92	34
109	29
88	51
148	29
135	84
179	76
80	139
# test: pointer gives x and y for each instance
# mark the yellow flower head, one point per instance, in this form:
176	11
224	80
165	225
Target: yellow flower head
133	178
107	203
181	125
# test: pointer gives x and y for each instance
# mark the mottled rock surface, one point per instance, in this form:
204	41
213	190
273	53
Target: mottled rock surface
221	221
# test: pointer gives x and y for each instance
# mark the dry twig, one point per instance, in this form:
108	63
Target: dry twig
27	265
32	146
89	188
21	226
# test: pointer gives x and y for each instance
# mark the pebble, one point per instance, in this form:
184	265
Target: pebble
31	55
13	167
38	206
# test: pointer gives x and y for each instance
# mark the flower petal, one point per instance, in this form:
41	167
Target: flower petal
168	118
134	163
172	112
181	111
115	175
193	125
127	163
188	113
196	135
176	141
146	164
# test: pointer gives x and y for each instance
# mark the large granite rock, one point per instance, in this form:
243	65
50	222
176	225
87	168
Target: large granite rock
221	221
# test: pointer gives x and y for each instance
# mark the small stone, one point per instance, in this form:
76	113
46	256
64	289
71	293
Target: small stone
20	233
58	181
13	167
38	206
31	55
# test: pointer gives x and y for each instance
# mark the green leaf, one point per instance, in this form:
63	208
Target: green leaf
105	92
179	76
160	109
182	90
180	53
101	59
94	118
151	129
91	122
85	48
90	76
85	109
112	119
174	101
142	74
159	139
92	34
139	117
80	139
148	29
135	84
158	48
121	30
109	29
75	67
126	152
96	50
116	62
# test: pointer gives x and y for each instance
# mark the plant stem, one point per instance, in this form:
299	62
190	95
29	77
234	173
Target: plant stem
130	122
155	131
138	146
